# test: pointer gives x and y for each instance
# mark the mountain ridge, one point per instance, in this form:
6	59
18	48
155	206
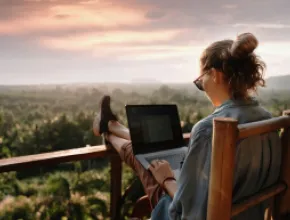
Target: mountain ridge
281	82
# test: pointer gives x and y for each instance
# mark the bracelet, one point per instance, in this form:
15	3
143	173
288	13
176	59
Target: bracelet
167	178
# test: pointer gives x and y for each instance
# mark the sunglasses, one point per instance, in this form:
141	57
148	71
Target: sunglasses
198	81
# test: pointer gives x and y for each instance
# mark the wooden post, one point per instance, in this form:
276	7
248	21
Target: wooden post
225	133
116	187
283	201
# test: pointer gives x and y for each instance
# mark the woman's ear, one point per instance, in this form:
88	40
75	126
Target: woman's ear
217	76
214	75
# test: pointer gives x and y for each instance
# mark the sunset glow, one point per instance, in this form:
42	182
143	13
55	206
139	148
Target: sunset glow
136	37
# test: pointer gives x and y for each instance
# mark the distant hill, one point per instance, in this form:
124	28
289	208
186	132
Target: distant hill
278	82
145	81
140	84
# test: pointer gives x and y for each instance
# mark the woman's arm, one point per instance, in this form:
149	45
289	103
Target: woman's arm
170	187
164	175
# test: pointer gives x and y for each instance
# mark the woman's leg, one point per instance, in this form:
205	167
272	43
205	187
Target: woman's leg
119	130
124	148
119	137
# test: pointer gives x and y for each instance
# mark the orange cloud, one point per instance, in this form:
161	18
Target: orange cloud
63	17
148	52
128	45
94	40
158	55
116	35
263	25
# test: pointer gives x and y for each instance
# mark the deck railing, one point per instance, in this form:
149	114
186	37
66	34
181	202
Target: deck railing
84	153
243	131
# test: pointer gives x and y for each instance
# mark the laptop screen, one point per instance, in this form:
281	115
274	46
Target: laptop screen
154	127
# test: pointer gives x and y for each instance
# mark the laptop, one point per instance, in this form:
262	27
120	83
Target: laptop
156	134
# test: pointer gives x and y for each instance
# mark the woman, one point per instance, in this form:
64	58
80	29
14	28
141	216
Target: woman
230	71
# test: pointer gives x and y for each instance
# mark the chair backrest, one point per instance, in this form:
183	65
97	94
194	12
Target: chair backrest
226	133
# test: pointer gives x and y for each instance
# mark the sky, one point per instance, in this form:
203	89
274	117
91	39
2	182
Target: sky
71	41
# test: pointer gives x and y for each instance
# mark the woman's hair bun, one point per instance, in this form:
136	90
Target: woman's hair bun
244	45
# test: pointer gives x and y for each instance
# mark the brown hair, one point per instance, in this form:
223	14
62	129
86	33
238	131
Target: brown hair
243	70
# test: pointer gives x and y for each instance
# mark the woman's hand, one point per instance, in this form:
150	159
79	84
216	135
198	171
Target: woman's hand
161	171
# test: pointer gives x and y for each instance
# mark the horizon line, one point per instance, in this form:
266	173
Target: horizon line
136	81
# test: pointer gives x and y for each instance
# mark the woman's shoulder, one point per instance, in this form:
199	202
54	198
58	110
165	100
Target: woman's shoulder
203	127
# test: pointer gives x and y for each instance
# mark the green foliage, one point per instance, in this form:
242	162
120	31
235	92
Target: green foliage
58	187
96	208
85	185
8	184
16	208
57	196
35	120
53	209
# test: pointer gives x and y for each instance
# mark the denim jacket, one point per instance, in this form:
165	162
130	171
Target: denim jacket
258	161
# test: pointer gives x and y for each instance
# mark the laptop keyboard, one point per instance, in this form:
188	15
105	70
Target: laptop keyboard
174	160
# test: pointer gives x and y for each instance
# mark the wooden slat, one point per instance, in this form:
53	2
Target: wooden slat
256	199
225	134
255	128
116	187
24	162
283	201
56	157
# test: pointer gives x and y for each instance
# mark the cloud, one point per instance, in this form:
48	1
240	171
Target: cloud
105	39
133	37
230	6
155	14
61	16
274	48
150	53
263	25
64	17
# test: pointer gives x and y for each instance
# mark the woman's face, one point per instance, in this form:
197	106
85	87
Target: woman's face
210	82
204	81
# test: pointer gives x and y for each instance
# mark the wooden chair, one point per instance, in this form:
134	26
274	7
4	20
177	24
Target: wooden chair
226	133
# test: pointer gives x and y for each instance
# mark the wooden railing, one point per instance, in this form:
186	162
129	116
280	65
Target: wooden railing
239	132
84	153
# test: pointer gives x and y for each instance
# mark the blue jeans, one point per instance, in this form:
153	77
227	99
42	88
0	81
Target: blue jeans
160	212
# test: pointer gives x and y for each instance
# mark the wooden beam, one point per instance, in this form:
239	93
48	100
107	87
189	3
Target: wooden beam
116	187
56	157
256	199
259	127
224	141
283	201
